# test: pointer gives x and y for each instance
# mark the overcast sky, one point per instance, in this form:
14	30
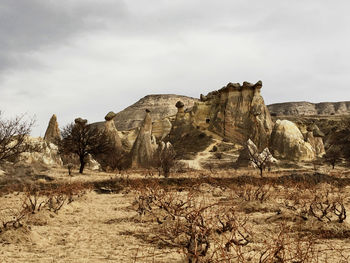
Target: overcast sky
87	57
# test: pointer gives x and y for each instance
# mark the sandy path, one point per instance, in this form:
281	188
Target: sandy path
200	157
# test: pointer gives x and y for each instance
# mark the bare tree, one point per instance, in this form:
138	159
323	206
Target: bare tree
114	159
13	134
83	139
333	156
260	161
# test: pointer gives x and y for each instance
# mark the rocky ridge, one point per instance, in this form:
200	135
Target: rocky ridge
160	106
308	108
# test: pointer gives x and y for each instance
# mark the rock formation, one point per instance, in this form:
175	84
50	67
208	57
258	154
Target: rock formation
46	153
52	134
250	152
245	154
187	138
80	121
92	164
315	138
161	129
112	131
287	142
308	108
183	120
237	113
145	144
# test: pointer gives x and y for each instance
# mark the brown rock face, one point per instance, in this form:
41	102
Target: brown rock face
52	133
236	112
144	146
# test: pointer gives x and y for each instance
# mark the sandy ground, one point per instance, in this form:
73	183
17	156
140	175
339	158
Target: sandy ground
94	228
105	228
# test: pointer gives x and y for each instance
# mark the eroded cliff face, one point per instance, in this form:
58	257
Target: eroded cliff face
236	112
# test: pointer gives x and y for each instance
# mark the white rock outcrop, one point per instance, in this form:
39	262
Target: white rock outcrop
47	153
287	142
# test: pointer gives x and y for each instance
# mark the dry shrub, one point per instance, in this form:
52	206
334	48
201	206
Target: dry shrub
324	203
250	192
199	228
284	246
36	200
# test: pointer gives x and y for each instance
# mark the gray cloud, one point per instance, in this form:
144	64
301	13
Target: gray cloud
86	57
31	25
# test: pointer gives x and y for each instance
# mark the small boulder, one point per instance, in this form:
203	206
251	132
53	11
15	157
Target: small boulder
110	116
80	121
179	104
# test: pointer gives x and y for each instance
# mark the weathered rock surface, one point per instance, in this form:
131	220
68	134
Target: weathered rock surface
145	145
250	152
317	144
236	112
187	138
47	154
128	138
92	164
52	134
80	121
308	108
161	107
112	131
161	129
287	142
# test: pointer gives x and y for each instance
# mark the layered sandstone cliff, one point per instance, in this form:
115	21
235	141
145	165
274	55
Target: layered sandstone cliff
236	112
